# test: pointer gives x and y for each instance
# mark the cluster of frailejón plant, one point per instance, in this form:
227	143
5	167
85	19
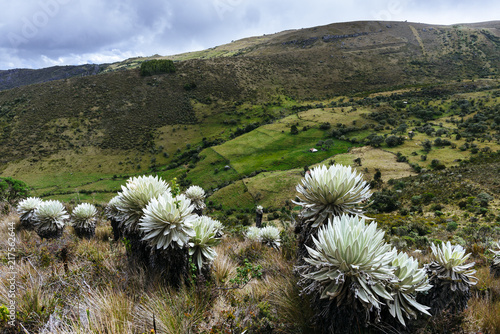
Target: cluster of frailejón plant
26	210
205	238
167	221
331	191
158	224
495	265
50	217
84	219
268	235
197	196
352	265
451	278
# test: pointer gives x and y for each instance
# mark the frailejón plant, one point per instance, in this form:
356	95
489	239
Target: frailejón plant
409	281
253	233
26	210
450	277
203	241
168	221
50	219
113	214
347	273
134	197
270	236
197	196
331	191
84	219
350	257
495	265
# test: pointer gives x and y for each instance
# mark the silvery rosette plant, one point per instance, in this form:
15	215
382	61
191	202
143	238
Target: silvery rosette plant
495	265
450	277
331	191
347	273
168	221
253	233
26	210
326	192
134	197
113	214
202	243
197	196
218	228
167	226
409	281
50	217
84	220
270	236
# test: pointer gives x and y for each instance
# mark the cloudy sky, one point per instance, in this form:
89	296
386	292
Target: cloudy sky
43	33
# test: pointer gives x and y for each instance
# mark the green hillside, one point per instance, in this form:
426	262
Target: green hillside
226	113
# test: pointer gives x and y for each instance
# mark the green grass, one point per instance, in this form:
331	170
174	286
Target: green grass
272	189
274	150
235	195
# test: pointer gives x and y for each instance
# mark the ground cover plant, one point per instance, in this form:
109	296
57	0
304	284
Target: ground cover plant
243	284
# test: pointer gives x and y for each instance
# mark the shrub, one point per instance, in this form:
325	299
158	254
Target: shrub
451	226
393	141
12	190
157	66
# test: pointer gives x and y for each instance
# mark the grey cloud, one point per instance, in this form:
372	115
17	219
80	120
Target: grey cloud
77	30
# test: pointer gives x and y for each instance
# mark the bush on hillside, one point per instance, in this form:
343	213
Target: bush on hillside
157	66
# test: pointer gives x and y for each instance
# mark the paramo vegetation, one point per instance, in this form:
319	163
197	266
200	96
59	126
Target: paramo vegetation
153	260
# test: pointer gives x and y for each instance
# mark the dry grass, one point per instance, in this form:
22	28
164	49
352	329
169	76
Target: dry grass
484	315
99	292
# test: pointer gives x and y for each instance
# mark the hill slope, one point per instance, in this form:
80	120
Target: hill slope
83	129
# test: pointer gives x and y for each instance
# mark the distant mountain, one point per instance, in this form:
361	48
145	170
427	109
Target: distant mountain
21	77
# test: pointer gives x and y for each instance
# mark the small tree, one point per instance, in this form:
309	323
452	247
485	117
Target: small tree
294	130
393	141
